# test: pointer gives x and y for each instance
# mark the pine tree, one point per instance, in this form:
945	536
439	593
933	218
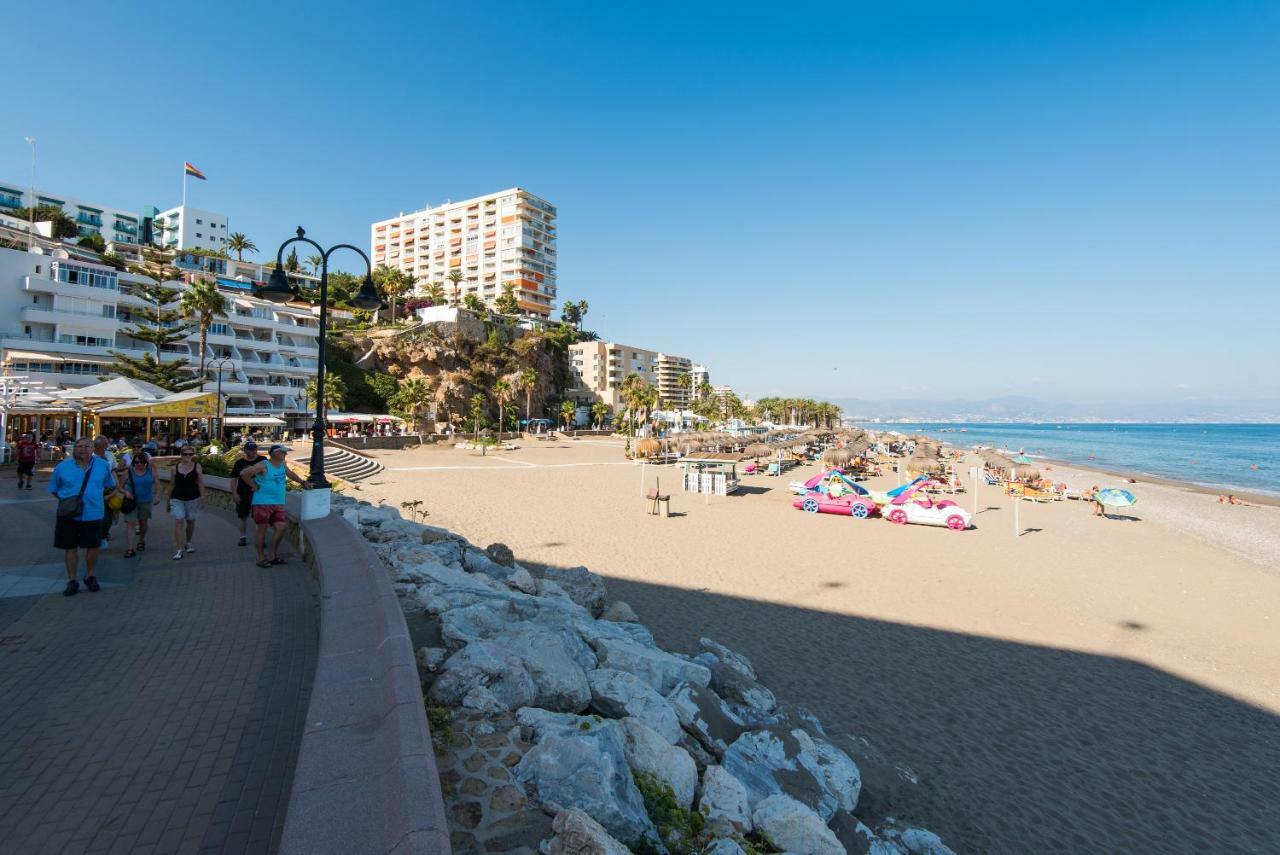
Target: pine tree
158	326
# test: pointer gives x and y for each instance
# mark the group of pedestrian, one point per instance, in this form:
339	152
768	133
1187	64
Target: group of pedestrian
94	488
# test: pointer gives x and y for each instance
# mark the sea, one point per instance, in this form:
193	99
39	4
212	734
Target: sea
1221	456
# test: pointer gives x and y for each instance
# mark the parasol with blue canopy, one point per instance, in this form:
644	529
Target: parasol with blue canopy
1115	498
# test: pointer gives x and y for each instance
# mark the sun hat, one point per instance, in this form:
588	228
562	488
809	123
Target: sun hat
284	449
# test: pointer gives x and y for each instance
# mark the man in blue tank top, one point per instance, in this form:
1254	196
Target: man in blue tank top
267	481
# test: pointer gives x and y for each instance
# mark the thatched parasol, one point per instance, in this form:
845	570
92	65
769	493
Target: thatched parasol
837	458
648	448
924	465
758	450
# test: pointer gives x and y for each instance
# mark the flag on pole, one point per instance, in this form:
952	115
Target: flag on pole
188	169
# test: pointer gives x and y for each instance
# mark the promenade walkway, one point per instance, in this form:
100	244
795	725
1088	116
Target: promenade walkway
159	715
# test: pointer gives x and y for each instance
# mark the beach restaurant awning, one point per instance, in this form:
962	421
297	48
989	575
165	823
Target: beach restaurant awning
116	389
180	405
241	421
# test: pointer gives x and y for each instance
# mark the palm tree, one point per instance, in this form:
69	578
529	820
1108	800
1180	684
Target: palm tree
598	411
239	244
393	284
315	261
684	383
435	291
202	304
567	412
705	389
455	276
335	393
412	396
502	393
477	410
527	382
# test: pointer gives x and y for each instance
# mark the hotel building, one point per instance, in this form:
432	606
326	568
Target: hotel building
673	373
61	317
599	367
115	226
508	236
185	227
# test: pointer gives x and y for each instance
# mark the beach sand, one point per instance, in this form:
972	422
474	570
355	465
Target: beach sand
1082	685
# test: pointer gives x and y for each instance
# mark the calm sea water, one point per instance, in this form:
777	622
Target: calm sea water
1216	455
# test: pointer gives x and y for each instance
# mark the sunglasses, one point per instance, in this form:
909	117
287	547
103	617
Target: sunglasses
187	454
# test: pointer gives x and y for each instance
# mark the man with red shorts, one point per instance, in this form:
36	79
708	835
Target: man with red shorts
267	480
27	452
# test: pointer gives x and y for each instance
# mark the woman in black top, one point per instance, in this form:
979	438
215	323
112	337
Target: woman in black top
186	489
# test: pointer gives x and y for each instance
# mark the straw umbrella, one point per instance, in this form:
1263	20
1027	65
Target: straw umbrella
837	458
648	448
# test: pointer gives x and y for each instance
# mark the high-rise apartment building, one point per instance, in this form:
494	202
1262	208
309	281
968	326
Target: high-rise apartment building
698	377
509	236
185	227
674	381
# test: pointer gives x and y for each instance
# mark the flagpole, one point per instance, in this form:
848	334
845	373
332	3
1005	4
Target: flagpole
184	185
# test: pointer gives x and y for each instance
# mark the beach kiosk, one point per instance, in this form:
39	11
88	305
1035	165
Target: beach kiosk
713	474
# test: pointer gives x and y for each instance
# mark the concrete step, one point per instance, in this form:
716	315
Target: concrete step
348	466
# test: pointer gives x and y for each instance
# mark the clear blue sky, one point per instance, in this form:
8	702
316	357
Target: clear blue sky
1077	201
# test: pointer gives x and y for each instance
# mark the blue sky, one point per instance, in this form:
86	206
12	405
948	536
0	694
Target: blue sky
1075	201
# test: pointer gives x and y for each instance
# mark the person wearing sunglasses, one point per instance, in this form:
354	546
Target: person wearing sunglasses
186	490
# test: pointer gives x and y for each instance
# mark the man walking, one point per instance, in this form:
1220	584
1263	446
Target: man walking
27	452
240	491
266	479
87	477
102	451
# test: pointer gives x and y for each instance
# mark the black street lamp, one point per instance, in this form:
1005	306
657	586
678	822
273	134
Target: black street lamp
221	363
280	290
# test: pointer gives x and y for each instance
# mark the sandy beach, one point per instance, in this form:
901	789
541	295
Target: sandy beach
1080	684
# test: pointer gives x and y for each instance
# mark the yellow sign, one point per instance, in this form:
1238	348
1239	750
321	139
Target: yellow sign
199	407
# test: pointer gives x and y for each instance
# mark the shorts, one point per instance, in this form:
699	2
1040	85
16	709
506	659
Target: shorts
244	507
77	534
140	513
27	468
188	509
268	514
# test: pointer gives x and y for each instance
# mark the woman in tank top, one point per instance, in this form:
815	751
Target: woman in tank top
186	489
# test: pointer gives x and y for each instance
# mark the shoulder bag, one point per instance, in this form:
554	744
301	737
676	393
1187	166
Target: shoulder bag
129	503
72	506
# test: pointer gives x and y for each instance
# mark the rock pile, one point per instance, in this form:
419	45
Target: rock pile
570	731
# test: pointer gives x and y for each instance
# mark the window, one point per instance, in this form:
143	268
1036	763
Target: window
199	222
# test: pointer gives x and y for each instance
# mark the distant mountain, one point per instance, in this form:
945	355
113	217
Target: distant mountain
1014	408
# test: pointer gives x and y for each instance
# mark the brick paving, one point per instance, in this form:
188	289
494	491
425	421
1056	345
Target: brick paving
160	715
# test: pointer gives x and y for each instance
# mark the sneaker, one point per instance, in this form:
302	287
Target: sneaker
142	546
244	541
177	556
191	549
72	587
91	582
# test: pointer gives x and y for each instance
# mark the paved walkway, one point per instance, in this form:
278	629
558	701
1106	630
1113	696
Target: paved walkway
160	715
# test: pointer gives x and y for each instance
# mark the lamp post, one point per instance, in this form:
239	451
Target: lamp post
221	364
280	290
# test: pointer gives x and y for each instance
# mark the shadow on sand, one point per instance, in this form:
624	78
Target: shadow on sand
1018	748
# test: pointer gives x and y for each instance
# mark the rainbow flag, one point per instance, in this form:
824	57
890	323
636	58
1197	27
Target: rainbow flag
188	169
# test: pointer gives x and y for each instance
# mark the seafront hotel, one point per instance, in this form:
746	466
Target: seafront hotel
491	240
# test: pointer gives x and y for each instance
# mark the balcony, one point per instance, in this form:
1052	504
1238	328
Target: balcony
7	201
89	220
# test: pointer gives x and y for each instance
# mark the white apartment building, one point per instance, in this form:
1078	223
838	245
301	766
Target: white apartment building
673	373
116	226
185	227
698	375
508	236
60	318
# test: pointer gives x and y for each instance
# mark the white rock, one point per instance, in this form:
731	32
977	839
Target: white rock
618	694
579	834
834	769
812	771
521	580
724	847
620	612
729	657
724	802
913	840
647	751
659	669
792	827
704	715
585	767
491	667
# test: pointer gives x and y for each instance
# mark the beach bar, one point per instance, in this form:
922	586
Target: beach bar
713	474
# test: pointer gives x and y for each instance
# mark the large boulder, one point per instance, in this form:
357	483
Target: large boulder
810	770
579	834
729	657
663	671
724	846
560	682
618	694
724	802
583	587
910	840
476	561
649	753
583	765
620	612
734	679
794	828
705	717
501	554
490	672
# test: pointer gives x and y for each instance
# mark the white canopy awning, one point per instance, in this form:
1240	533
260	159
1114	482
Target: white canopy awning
31	356
239	421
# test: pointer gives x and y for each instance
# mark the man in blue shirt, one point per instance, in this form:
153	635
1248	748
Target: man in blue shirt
82	474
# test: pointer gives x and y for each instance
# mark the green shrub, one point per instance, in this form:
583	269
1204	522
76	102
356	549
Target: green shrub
684	831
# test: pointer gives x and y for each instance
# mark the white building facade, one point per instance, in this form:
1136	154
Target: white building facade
185	227
60	319
114	225
491	240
